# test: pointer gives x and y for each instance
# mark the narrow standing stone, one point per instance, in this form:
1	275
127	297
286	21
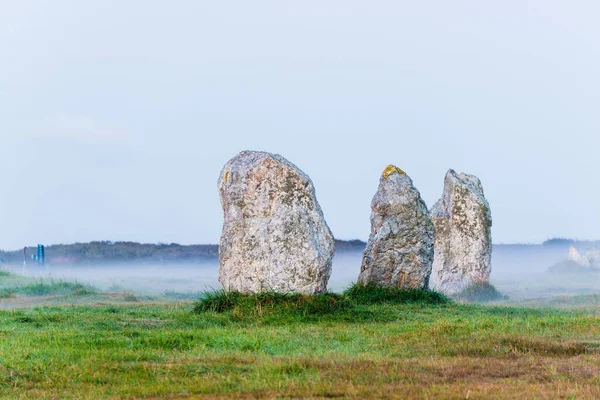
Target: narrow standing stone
463	235
400	249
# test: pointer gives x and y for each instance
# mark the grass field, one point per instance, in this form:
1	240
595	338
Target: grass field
119	347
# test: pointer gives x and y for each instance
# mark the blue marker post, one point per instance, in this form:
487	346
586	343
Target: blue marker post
41	257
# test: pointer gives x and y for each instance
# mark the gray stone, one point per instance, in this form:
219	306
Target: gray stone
274	235
400	249
463	235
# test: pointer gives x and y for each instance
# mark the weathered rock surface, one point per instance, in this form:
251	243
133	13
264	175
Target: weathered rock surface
274	235
463	235
400	248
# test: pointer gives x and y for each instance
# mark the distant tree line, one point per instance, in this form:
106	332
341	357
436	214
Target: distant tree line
118	252
105	252
570	242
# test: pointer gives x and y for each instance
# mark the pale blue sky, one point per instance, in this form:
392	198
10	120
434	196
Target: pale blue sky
117	116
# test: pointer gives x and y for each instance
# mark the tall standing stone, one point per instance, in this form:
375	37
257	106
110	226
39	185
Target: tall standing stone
463	235
274	235
400	249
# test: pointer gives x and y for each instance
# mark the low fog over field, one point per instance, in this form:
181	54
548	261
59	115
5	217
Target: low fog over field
519	271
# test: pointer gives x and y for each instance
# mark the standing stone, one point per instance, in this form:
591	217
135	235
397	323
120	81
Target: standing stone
463	235
274	235
400	249
590	259
575	256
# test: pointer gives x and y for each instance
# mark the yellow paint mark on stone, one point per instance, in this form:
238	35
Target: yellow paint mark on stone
391	170
226	176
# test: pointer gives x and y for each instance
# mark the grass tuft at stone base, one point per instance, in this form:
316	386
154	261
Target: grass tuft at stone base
373	294
346	303
269	302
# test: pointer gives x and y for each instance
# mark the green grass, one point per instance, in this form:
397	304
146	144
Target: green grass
17	288
414	349
49	287
365	342
372	294
278	308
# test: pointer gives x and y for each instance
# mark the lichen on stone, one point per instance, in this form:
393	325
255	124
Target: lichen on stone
390	170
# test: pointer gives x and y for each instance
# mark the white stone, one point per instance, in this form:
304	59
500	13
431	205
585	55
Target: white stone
275	237
400	248
463	235
590	259
575	256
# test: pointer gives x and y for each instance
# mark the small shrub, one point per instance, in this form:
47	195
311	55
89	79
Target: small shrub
4	274
6	294
480	292
131	298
